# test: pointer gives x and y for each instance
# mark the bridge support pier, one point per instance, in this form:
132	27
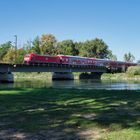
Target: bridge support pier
6	77
62	76
92	75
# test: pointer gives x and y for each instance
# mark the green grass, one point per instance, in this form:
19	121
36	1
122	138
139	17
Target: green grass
113	115
126	134
36	75
121	76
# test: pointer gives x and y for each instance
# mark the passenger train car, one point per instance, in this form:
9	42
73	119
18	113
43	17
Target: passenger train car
77	60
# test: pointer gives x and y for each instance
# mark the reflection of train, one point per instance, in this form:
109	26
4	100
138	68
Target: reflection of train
77	60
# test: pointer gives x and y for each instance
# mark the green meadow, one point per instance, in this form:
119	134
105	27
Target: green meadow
69	114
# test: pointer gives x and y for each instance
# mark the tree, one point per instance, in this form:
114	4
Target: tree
48	38
4	49
111	56
36	45
94	48
20	55
67	47
48	44
10	56
45	44
128	57
28	47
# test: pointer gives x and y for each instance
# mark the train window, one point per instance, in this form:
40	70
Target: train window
74	62
27	55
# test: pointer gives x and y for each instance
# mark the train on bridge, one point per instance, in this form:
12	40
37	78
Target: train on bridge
77	60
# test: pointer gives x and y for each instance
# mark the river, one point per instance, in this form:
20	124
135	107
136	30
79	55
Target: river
76	84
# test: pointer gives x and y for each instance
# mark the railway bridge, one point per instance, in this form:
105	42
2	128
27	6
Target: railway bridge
60	71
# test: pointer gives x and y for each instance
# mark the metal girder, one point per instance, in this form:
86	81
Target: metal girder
49	67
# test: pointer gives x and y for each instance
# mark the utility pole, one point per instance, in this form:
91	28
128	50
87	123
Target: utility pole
15	47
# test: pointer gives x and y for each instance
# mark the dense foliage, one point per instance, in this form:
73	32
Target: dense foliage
134	70
48	44
4	48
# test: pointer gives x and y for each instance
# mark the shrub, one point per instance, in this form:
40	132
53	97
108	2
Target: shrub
133	70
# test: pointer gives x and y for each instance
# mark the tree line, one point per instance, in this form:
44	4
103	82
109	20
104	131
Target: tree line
47	44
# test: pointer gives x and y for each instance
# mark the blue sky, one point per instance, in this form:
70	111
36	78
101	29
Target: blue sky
117	22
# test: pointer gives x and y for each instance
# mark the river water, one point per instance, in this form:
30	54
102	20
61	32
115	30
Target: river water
75	84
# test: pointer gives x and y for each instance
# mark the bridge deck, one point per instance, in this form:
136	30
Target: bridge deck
50	68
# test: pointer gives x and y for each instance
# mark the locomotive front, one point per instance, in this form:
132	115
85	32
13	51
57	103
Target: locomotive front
28	58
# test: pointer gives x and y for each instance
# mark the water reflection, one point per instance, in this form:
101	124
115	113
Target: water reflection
77	84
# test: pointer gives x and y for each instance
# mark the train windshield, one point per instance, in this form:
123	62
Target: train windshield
27	55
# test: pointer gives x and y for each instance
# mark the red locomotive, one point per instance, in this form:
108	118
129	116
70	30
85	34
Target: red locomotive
36	58
76	60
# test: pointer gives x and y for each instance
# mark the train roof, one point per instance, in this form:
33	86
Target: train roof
76	56
41	55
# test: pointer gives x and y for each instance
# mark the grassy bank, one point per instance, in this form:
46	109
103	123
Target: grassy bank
43	76
132	73
33	75
120	76
69	114
37	75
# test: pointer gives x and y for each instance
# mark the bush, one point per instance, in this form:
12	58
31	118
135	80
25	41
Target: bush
133	70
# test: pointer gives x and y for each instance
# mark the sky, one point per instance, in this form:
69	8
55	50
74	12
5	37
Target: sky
117	22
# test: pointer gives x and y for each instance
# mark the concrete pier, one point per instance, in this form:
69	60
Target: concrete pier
6	77
62	76
92	75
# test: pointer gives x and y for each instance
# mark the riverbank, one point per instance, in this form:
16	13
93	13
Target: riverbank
37	75
32	75
120	77
105	76
47	113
